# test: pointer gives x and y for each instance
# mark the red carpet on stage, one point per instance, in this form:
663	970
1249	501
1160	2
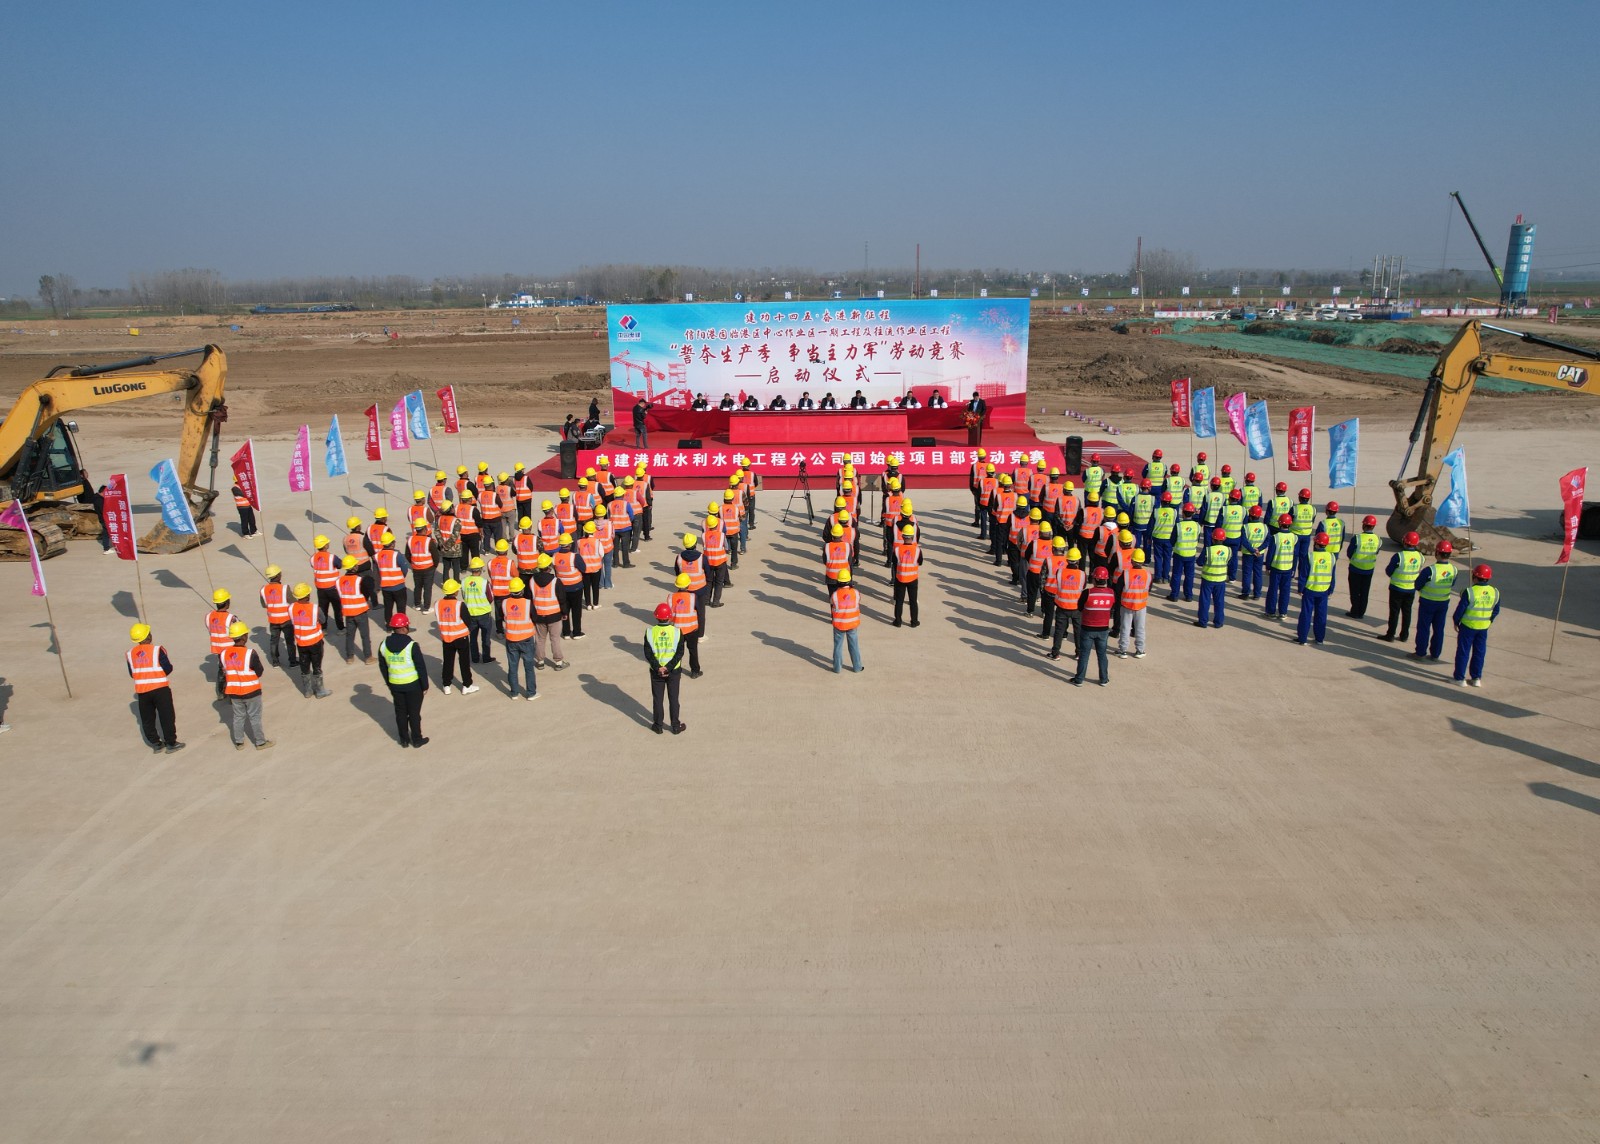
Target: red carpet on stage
943	464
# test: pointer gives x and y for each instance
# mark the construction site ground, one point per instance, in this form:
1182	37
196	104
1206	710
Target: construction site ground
1250	891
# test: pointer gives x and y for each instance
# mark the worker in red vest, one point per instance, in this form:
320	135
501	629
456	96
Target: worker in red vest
151	671
1098	606
275	599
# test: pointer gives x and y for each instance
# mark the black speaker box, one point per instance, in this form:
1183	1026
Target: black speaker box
924	442
1072	462
689	443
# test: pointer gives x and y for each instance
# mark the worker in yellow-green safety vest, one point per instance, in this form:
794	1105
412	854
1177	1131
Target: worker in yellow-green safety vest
1232	521
1280	567
1479	606
480	612
1404	567
1162	529
1435	583
1363	552
1253	554
1214	580
400	662
1315	592
1304	514
1185	547
663	651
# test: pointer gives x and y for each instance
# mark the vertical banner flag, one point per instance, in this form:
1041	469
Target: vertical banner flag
447	405
118	515
398	438
1454	511
374	441
1571	509
1234	407
169	495
300	462
1302	424
14	517
332	451
1344	441
1180	403
417	416
1259	430
244	473
1205	412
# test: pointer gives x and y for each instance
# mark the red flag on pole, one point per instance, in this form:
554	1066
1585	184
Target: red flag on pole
1302	424
1572	486
447	402
1180	403
244	473
374	441
119	517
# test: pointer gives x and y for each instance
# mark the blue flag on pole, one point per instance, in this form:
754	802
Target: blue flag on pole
1203	413
1258	431
169	495
1344	441
417	416
333	454
1453	511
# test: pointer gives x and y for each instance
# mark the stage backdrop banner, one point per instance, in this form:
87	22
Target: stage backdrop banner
668	354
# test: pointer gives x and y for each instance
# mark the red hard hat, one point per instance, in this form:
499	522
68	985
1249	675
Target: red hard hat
1444	548
1216	482
1144	484
1410	539
1305	494
1200	456
1285	521
1256	512
1155	455
1369	522
1166	498
1094	458
1218	534
1333	506
1188	509
1249	478
1483	572
1102	574
1235	494
1322	540
399	622
663	613
1176	469
1283	487
1226	469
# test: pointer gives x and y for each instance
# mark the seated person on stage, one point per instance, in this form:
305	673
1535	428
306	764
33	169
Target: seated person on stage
700	403
909	401
936	401
828	402
858	401
778	403
751	402
726	402
805	401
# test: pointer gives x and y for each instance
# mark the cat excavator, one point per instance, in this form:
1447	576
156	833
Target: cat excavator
40	465
1450	385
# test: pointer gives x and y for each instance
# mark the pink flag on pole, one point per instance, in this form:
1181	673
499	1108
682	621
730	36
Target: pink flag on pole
447	402
1180	402
1235	407
1572	486
244	473
399	438
14	517
300	462
118	515
1302	424
374	441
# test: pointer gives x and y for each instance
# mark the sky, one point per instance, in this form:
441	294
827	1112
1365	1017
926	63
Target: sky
296	139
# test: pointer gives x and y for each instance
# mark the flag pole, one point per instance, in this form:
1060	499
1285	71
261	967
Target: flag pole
265	555
1556	622
203	561
55	638
138	583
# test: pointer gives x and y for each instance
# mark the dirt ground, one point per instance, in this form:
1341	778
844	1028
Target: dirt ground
1248	892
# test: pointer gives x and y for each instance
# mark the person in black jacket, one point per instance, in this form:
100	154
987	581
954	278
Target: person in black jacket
828	402
859	401
400	662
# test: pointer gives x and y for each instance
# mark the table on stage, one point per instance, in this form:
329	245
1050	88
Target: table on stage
817	426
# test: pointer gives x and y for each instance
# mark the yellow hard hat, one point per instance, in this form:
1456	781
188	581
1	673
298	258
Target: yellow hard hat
418	525
439	476
546	506
1138	556
451	586
418	495
1059	543
982	453
321	542
844	516
603	461
844	575
220	596
905	507
475	564
1054	472
728	496
467	494
627	482
1124	537
446	505
501	546
544	560
894	460
1068	485
461	470
988	468
1005	478
483	466
733	480
516	585
564	493
689	540
583	482
894	482
641	468
353	522
713	522
564	538
387	538
838	530
1035	514
380	514
349	562
909	530
839	502
520	466
238	630
1074	554
525	522
1022	502
1122	518
503	477
588	528
139	633
1046	530
301	591
683	580
273	570
589	472
1040	465
849	486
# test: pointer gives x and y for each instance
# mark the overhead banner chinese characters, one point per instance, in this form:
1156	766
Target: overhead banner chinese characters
447	405
887	349
300	461
244	473
1572	486
1302	423
1180	403
374	438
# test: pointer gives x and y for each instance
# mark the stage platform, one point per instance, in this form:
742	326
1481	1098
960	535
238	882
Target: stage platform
943	464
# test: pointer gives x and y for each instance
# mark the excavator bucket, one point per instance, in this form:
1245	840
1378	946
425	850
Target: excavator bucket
163	540
1420	521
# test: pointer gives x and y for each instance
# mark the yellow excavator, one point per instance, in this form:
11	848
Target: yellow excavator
1444	400
40	464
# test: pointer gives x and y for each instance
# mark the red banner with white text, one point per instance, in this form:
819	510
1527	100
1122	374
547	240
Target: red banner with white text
1302	427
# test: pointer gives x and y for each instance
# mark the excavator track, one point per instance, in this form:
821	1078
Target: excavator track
51	541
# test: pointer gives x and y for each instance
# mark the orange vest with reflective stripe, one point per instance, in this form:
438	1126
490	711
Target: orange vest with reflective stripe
836	555
500	575
683	613
1135	588
523	486
549	533
695	570
1068	511
620	520
1036	555
417	512
715	546
390	574
1005	504
217	624
276	601
351	600
451	626
420	549
508	500
906	557
591	553
1068	586
323	570
544	599
307	628
238	679
468	520
1093	514
731	514
437	495
567	570
375	532
355	545
846	605
891	507
527	546
489	505
566	515
145	663
602	529
584	507
518	625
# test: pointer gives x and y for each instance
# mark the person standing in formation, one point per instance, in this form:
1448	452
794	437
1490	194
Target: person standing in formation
218	620
402	667
1404	567
392	569
452	623
151	671
1435	584
1098	606
686	615
844	604
1133	605
1314	592
305	617
240	686
275	599
546	614
422	553
480	612
663	651
1363	552
1214	581
906	560
1478	608
325	575
1280	568
355	604
519	637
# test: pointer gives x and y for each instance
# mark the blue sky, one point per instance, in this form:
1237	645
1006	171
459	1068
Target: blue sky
290	139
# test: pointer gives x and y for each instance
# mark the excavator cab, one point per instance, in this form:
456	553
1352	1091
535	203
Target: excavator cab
50	467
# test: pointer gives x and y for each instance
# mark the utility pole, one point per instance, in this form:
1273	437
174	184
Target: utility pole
1138	269
916	290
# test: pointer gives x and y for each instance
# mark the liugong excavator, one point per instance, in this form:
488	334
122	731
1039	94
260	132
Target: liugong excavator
39	459
1444	400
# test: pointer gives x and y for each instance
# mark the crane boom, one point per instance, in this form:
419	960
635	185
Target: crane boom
1499	278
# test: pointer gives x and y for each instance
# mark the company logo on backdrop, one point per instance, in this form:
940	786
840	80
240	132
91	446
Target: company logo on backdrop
630	328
